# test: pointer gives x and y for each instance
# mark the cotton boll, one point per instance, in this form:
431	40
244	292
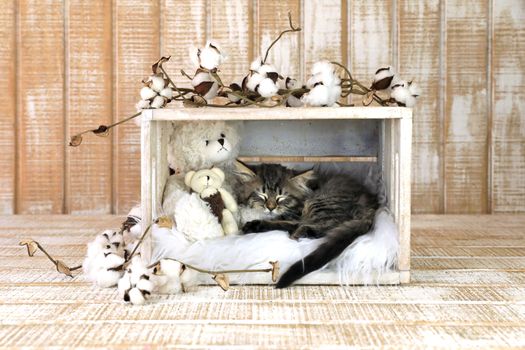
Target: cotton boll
124	284
293	101
334	93
145	285
324	71
136	297
290	83
401	95
116	240
205	85
210	56
318	96
142	104
383	78
414	89
113	260
267	88
147	93
267	68
256	64
410	101
108	278
167	93
158	102
254	80
157	82
189	278
167	280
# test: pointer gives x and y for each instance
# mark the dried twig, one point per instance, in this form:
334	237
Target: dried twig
292	29
32	246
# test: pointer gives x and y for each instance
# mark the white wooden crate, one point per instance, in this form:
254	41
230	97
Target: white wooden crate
395	143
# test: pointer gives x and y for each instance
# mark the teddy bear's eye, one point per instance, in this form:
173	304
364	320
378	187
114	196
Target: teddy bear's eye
207	142
222	135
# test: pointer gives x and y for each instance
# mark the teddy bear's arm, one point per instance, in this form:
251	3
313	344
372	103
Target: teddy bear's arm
229	201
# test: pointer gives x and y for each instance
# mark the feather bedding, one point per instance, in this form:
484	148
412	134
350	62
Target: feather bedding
370	256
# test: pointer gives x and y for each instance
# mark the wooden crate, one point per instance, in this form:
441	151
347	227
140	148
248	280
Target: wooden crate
393	154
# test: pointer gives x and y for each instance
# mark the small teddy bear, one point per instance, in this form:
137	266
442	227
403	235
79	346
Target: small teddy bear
208	184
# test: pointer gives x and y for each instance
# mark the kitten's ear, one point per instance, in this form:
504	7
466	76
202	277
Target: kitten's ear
303	178
243	172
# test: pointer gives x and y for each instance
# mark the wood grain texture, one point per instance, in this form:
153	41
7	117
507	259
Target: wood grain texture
451	302
469	148
136	30
41	138
231	26
272	18
7	106
322	32
370	36
508	132
466	107
89	103
419	24
183	26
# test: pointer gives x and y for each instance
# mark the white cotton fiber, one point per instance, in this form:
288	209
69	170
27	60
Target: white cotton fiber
267	88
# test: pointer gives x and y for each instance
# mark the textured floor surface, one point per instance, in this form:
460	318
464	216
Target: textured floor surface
467	291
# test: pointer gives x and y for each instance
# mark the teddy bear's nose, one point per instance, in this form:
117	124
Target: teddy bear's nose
207	178
221	141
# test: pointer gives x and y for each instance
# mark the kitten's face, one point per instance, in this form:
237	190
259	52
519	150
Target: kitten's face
272	188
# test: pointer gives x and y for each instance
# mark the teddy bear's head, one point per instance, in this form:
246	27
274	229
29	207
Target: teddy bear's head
205	181
203	144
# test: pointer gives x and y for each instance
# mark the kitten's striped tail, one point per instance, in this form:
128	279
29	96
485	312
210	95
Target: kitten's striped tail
336	242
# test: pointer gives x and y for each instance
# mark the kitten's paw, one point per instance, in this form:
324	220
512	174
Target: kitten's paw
301	231
252	226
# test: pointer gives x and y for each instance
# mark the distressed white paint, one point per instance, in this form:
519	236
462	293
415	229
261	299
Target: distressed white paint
396	160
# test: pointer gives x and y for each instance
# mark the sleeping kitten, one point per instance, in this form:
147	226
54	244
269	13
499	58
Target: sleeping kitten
307	204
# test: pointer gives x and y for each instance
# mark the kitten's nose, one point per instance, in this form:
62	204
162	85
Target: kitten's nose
271	205
221	141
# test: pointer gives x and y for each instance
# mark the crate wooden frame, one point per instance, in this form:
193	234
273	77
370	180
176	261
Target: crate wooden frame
395	157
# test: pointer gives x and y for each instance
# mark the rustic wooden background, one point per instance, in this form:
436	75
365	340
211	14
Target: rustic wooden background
67	65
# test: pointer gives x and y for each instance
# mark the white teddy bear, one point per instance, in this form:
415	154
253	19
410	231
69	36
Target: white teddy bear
208	184
196	145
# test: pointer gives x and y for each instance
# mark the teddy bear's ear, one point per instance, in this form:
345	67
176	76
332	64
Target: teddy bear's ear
243	172
188	177
219	173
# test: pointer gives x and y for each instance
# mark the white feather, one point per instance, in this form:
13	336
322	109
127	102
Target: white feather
370	255
375	252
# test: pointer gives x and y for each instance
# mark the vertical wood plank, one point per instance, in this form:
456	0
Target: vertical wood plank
272	18
466	107
508	133
41	107
230	26
89	97
136	30
183	25
370	34
322	32
7	107
418	60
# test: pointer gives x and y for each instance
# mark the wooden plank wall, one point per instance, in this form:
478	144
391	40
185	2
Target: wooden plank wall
68	65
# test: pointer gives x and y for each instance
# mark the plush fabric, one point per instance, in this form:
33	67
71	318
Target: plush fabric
368	257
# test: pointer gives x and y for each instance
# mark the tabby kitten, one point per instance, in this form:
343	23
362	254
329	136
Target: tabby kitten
307	204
